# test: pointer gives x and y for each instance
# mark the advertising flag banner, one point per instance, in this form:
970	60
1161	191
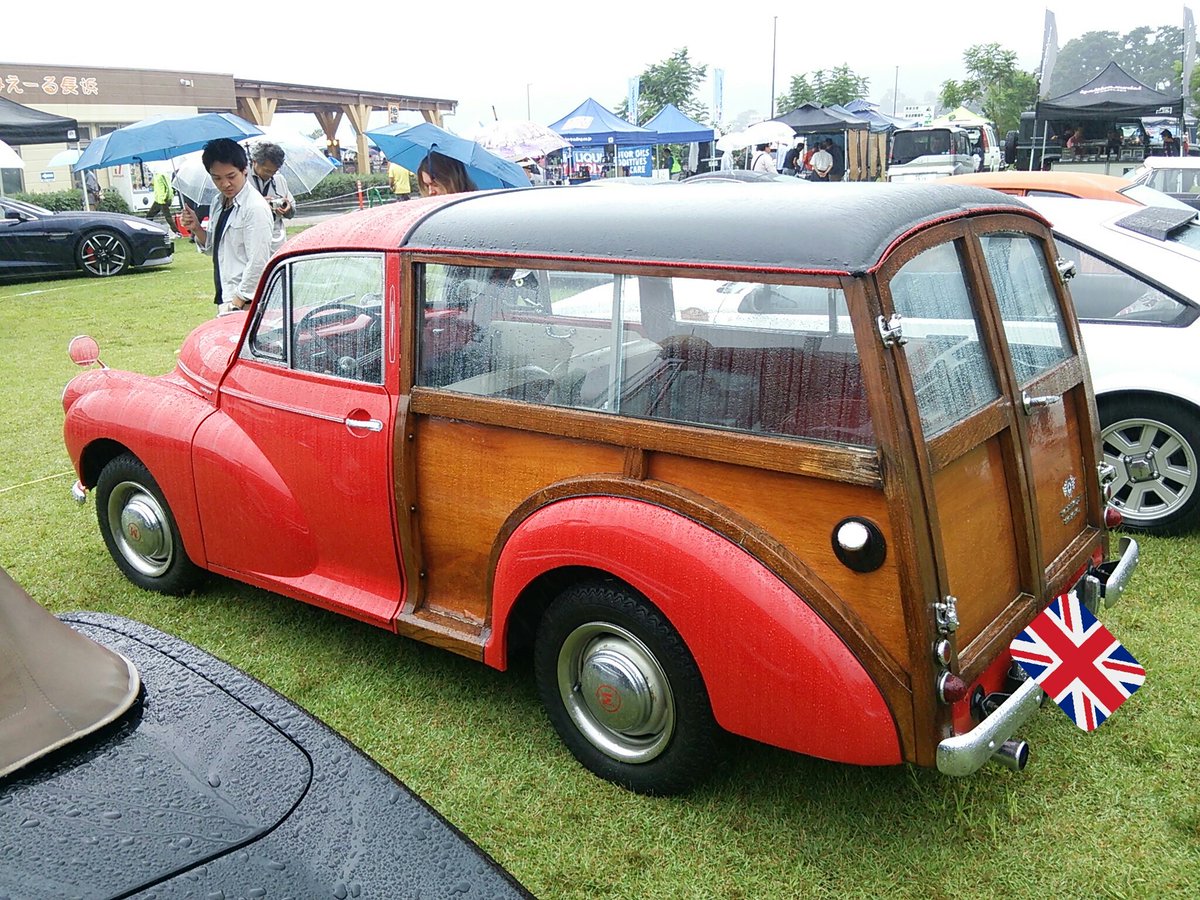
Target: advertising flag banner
1077	662
1189	50
1049	56
718	107
635	89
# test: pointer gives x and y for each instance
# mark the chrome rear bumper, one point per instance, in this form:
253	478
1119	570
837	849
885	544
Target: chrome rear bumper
964	753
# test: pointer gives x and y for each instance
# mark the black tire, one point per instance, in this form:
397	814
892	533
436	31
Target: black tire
1154	444
139	529
103	253
622	690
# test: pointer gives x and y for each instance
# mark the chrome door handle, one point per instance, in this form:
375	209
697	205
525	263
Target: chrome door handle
1031	403
368	424
564	335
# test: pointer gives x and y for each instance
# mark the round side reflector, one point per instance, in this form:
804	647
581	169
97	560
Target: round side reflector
951	688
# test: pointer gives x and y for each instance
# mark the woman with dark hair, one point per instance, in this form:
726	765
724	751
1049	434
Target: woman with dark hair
238	237
439	174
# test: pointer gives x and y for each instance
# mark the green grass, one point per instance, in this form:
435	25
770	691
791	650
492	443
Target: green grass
1111	814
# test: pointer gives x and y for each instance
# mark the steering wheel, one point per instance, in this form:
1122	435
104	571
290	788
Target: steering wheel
334	312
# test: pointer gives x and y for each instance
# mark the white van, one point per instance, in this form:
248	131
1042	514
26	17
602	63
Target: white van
923	154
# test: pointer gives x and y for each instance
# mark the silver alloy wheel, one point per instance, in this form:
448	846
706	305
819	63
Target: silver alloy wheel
141	529
616	692
1156	468
103	254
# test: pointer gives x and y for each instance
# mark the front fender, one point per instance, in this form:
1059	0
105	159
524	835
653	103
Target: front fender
152	417
774	670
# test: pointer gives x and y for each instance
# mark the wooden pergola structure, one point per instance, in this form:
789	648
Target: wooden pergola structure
258	101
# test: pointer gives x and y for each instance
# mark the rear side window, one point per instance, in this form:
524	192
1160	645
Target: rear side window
1037	337
772	359
1104	293
951	375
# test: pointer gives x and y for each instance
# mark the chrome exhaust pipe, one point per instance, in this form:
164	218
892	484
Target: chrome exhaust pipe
1013	754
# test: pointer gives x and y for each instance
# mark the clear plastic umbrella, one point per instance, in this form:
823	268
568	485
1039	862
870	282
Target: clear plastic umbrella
519	138
304	166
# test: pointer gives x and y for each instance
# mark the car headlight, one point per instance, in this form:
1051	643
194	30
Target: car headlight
139	225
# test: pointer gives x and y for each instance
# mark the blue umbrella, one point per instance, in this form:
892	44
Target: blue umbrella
162	137
407	146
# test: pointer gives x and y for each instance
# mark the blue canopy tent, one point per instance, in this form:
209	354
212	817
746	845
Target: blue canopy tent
673	127
590	128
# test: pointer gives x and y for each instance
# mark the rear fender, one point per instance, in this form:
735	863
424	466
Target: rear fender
774	670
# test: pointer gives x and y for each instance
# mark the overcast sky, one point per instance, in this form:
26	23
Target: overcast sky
546	58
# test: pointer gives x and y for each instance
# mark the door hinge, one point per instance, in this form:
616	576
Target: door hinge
891	331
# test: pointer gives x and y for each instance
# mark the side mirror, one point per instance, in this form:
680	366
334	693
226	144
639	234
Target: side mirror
1066	269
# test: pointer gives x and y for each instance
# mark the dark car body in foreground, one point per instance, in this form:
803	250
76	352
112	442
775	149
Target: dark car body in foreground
213	785
36	242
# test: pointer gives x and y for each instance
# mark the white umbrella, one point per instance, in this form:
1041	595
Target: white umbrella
64	158
770	132
519	138
9	158
735	140
303	167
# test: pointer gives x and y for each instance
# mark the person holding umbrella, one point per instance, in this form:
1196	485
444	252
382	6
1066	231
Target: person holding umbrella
265	161
438	174
240	224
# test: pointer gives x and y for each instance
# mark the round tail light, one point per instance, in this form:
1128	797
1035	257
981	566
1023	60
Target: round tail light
1112	517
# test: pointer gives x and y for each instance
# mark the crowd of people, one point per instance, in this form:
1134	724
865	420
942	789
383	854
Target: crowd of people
822	160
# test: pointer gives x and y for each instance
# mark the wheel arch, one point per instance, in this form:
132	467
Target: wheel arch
787	680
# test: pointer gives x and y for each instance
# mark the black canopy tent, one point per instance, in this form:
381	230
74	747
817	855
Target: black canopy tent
23	125
1112	94
811	119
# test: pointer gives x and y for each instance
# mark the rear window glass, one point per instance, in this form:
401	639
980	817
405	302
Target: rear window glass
950	372
1037	337
771	359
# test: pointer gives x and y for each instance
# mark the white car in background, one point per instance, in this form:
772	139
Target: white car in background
1137	294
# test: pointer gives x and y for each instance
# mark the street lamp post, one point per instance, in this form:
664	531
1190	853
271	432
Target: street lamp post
774	35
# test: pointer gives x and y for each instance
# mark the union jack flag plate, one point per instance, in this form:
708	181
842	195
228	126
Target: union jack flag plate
1077	662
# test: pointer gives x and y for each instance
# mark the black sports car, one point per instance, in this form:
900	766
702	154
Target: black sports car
35	241
133	764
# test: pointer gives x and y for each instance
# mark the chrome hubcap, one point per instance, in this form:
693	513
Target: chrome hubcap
1156	469
139	525
616	692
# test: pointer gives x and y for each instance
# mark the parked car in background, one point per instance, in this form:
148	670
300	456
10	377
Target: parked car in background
923	154
35	242
1093	186
135	764
1137	295
1178	176
715	479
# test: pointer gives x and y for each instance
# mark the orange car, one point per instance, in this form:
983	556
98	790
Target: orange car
1087	185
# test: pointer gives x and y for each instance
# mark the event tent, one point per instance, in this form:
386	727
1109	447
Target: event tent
23	125
961	116
1112	94
865	151
590	123
673	127
813	119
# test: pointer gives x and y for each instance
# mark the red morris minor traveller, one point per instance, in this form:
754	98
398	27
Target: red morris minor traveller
795	465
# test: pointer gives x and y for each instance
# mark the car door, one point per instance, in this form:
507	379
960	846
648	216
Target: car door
295	475
998	403
26	244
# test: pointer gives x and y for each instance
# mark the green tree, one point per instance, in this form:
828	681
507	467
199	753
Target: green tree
994	82
826	86
674	80
1148	54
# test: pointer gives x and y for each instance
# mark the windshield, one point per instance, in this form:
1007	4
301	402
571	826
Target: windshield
1148	196
27	208
910	145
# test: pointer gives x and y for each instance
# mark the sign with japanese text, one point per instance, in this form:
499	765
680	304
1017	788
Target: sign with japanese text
14	86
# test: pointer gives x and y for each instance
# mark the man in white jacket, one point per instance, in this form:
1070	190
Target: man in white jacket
238	236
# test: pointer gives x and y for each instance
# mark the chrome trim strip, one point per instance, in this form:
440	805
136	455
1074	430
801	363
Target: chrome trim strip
283	407
962	754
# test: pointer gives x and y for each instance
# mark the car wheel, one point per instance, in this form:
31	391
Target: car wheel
140	531
622	690
103	253
1154	446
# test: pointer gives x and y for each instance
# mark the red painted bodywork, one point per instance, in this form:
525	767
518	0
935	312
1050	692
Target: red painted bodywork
775	671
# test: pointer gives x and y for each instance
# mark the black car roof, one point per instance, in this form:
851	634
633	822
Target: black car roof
843	228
